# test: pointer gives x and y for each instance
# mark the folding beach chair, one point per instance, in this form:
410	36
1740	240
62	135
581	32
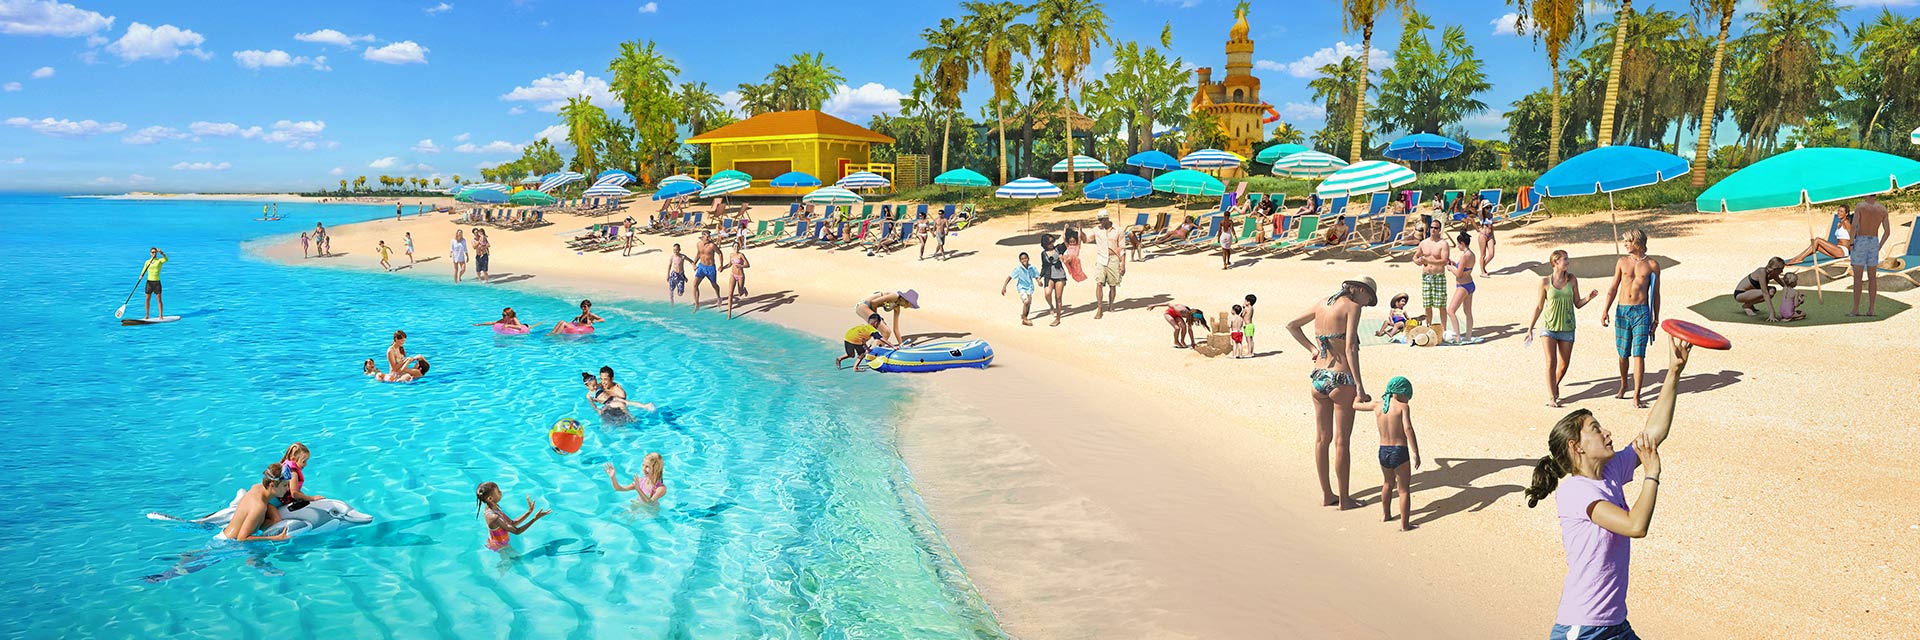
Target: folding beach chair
1450	196
1526	209
1213	229
1378	203
800	232
866	212
1158	227
1909	260
947	212
1309	227
1396	224
1492	196
1246	230
920	210
1336	206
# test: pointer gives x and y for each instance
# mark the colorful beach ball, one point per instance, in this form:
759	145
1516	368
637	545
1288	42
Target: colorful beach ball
566	436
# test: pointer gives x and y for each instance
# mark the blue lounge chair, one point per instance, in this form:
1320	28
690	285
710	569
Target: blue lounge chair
1910	256
1213	229
1395	226
1493	196
1378	203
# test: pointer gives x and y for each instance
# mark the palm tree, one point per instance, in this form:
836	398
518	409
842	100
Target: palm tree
1785	68
806	82
1286	133
996	36
360	183
1360	14
343	185
1068	31
1554	23
642	78
583	121
1722	9
1428	89
948	63
436	182
1337	90
1605	137
698	106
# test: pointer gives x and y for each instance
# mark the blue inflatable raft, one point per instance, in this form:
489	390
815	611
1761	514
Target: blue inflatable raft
933	356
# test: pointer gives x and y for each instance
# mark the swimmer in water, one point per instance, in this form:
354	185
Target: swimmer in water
508	319
650	484
500	528
255	511
608	397
585	319
408	372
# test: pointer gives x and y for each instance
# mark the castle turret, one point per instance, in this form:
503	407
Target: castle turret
1234	101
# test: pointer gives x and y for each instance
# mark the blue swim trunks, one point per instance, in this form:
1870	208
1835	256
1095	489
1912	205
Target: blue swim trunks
1632	330
706	271
1622	631
676	282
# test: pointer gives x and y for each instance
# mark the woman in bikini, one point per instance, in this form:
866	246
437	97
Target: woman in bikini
1463	288
1182	318
1755	289
508	320
737	265
1485	238
1336	381
894	301
1838	249
585	319
649	484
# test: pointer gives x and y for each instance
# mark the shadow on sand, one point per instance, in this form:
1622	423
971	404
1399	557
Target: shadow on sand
1460	474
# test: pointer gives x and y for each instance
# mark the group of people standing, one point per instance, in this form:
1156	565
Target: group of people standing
707	259
1060	260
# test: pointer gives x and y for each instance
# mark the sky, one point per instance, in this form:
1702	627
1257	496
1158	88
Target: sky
106	97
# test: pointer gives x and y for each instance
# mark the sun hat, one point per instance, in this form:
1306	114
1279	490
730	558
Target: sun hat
1367	281
1102	215
912	297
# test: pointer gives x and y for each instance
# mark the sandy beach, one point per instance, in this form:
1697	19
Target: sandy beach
1096	483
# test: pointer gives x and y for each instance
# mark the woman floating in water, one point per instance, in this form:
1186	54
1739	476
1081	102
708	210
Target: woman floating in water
1596	524
582	323
650	484
412	368
1336	381
509	322
500	528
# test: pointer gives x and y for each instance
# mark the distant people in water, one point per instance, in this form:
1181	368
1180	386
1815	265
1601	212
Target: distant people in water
509	320
585	320
500	528
650	484
608	397
411	369
1398	446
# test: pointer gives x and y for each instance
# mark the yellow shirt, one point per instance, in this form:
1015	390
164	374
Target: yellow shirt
860	334
153	268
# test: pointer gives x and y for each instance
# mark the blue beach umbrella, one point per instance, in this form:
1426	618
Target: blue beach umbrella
1609	169
625	178
1422	147
677	189
1119	186
617	180
1028	188
795	179
487	196
1211	159
556	180
862	180
1155	160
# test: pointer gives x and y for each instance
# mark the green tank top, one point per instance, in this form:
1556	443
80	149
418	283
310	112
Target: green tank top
1559	313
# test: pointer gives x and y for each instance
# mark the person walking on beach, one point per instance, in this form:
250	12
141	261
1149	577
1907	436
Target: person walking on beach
1022	278
1226	244
1484	237
1638	311
1432	257
386	253
1559	296
706	266
482	248
676	274
408	239
1597	527
1112	261
396	212
737	266
1398	446
1053	275
458	251
303	244
151	272
319	239
894	301
1463	288
1336	381
1870	225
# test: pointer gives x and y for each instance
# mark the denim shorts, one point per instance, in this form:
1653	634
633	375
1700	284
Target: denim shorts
1563	336
1622	631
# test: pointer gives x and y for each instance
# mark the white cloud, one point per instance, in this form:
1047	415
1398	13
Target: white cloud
255	59
730	102
337	171
488	165
402	52
165	42
201	166
516	110
497	146
1296	112
151	135
17	160
1878	3
463	137
63	128
388	162
221	130
298	135
1507	24
426	146
1309	66
650	8
49	18
332	37
439	9
552	91
556	134
42	72
132	179
860	105
10	87
1269	65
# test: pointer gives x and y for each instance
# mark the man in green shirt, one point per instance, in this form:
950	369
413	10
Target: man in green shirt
155	259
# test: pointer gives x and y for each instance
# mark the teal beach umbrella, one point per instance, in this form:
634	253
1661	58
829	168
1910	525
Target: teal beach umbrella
1271	154
1188	182
962	178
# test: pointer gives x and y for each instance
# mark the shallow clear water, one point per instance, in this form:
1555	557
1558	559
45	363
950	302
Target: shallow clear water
789	512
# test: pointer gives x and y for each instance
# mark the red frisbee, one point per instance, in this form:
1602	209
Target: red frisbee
1696	334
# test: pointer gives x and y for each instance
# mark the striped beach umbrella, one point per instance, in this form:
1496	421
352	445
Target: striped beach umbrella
1915	136
962	178
795	179
487	196
561	179
1027	189
862	180
831	195
618	179
1271	154
602	176
674	190
531	197
1081	164
1188	182
530	180
1365	177
1307	164
680	178
730	173
1422	147
722	186
1155	160
605	190
1119	186
1211	159
490	185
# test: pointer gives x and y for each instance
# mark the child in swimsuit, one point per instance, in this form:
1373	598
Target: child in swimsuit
383	376
649	484
1396	322
1397	445
1790	299
500	528
303	244
1236	328
294	464
1247	318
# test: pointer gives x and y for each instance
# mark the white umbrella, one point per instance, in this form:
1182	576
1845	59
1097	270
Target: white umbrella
723	187
1365	177
1028	188
831	195
1307	164
1211	159
558	180
862	180
1081	164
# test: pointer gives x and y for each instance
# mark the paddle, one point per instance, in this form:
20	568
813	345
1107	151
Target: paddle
122	311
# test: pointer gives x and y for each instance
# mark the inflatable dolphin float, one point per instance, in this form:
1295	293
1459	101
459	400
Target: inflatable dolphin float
319	516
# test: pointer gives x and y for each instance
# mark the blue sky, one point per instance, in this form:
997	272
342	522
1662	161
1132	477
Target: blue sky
103	96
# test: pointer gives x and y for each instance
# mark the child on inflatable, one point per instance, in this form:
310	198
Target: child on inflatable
294	463
509	323
582	323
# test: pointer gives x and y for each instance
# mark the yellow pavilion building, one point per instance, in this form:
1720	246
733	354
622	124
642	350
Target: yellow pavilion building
811	142
1234	101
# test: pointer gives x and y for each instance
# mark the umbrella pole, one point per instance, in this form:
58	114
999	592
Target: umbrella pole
1615	217
1819	293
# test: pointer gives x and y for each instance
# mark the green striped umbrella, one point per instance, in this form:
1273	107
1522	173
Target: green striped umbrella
1915	136
730	173
831	195
1271	154
962	178
1188	182
1366	177
531	197
722	186
1307	164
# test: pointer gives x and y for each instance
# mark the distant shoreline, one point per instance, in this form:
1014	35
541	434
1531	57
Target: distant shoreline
433	201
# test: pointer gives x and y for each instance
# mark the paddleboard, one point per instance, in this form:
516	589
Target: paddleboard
128	322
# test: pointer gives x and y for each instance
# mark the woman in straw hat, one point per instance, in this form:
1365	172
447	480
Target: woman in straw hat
1336	381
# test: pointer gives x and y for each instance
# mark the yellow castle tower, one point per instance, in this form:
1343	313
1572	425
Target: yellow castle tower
1234	101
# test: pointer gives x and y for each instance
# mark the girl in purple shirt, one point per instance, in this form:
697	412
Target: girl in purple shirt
1595	521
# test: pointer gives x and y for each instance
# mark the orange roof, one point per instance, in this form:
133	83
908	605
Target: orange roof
791	123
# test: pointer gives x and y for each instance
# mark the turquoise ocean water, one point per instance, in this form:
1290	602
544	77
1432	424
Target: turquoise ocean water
790	513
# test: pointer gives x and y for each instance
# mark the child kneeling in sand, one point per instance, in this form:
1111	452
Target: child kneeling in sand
1397	446
1790	300
857	339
